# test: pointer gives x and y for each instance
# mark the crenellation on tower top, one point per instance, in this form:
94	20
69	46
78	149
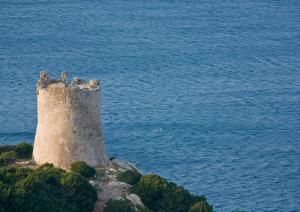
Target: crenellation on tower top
63	77
77	81
46	81
94	84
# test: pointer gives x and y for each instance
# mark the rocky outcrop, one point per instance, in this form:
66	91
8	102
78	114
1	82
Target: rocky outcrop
108	187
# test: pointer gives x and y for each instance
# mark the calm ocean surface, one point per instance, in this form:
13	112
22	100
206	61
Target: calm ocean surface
204	93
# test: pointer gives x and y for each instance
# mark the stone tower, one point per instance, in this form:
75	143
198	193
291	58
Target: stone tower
68	128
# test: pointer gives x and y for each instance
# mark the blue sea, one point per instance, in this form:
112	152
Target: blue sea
205	93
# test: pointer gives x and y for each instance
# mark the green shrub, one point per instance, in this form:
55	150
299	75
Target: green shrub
200	207
46	165
151	189
129	176
21	151
46	189
8	157
5	195
119	206
6	148
78	191
160	195
10	174
24	150
39	189
83	169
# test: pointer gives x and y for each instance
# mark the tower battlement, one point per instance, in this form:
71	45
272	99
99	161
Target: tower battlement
68	127
44	82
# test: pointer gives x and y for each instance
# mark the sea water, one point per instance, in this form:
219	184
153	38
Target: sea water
204	93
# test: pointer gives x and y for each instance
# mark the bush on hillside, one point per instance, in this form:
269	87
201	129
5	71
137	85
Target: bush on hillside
46	189
78	191
9	153
24	150
8	157
83	169
129	176
160	195
199	207
6	148
119	206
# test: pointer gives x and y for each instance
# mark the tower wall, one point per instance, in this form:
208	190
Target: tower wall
68	127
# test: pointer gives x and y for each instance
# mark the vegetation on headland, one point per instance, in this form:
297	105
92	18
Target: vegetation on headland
83	169
46	188
130	177
119	206
10	153
160	195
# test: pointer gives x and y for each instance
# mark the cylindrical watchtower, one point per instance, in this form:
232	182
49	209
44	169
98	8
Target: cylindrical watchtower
68	127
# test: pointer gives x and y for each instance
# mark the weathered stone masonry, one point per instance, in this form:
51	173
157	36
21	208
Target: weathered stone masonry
68	127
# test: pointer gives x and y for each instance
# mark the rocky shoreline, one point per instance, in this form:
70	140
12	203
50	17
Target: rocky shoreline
108	186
